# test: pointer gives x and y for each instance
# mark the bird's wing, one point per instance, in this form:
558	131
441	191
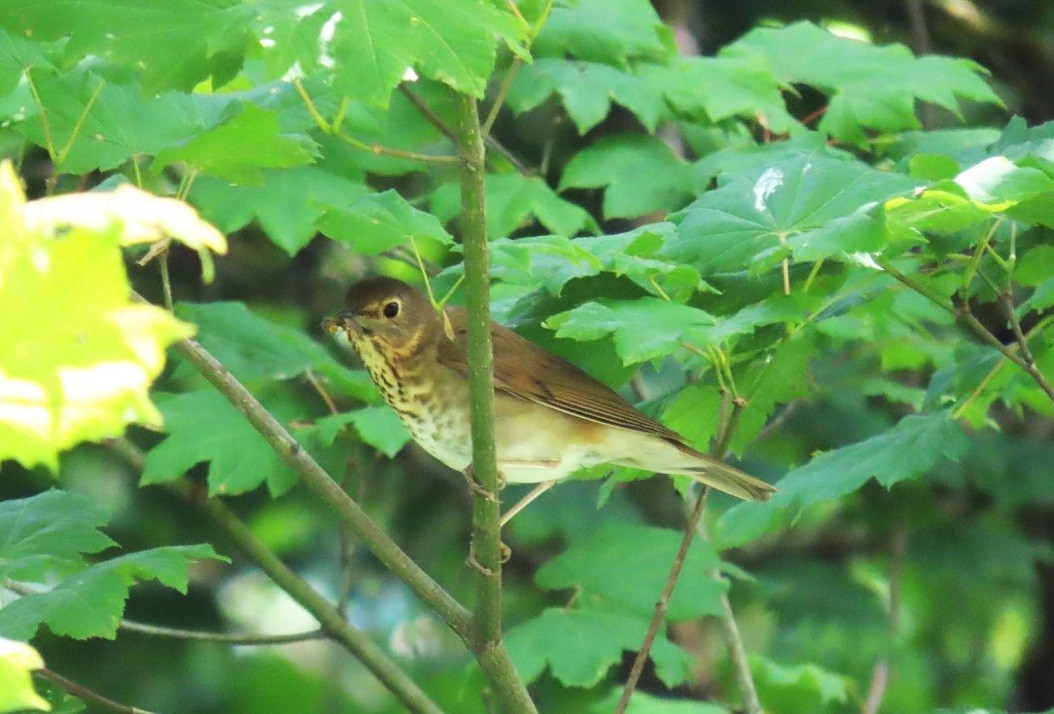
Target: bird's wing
524	370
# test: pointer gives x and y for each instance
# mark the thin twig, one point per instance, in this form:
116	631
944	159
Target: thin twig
222	637
967	319
663	603
503	92
82	692
882	671
728	622
1015	326
313	381
177	633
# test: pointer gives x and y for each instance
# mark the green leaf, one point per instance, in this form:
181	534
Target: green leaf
373	45
642	329
580	646
646	552
380	222
240	147
91	603
908	450
17	56
644	703
801	687
170	45
49	528
547	261
513	201
693	414
251	348
203	426
287	205
17	662
607	31
379	427
587	90
85	373
869	87
813	207
999	183
719	88
640	174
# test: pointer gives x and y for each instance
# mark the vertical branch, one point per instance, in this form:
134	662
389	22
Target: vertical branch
485	550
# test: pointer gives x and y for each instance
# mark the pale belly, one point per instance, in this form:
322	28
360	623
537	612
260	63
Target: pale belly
528	451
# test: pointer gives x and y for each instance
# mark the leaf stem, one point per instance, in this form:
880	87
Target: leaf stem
428	113
485	550
88	695
45	125
65	150
333	129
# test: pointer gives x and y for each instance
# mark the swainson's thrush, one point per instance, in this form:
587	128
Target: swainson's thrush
550	417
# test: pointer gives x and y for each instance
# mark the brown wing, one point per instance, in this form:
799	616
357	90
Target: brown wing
525	370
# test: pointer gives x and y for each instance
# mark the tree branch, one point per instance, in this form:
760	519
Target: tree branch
325	487
332	620
966	319
485	550
334	626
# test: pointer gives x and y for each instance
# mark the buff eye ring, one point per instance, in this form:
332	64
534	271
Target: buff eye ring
392	309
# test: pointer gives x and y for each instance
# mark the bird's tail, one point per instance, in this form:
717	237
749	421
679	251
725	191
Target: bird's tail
708	471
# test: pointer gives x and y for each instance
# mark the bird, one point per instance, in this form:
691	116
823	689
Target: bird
550	417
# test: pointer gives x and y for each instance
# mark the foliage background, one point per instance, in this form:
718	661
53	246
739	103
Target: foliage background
959	549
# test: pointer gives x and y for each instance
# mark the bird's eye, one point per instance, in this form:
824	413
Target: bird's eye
391	309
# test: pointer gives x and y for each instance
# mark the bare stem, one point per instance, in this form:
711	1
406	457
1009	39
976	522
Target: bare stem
88	695
428	113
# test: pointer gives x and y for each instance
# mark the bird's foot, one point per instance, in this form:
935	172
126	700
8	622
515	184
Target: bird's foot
477	488
504	553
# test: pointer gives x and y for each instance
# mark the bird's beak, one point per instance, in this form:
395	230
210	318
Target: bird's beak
349	322
341	322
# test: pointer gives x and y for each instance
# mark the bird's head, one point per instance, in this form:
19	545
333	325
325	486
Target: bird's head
388	315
